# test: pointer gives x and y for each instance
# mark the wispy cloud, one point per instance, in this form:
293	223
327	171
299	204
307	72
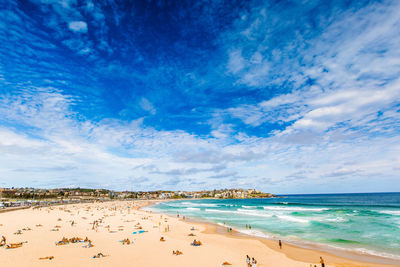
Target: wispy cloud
77	26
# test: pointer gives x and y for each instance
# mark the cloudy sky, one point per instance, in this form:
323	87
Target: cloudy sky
299	96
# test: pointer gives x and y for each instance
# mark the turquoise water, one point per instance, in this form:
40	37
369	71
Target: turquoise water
365	223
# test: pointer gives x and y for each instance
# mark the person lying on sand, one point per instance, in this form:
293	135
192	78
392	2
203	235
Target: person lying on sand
75	240
191	234
89	245
47	258
64	241
19	232
226	263
162	239
177	252
39	225
14	245
99	255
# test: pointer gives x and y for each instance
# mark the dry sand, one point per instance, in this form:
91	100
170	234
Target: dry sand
146	249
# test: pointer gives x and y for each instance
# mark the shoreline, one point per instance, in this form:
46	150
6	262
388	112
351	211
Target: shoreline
299	252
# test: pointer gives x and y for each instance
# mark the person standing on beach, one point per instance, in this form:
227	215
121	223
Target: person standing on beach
248	260
322	262
280	244
3	241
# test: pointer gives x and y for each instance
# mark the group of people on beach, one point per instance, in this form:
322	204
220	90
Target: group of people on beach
251	262
196	243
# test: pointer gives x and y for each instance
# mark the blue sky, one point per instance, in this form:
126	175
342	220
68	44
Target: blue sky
285	96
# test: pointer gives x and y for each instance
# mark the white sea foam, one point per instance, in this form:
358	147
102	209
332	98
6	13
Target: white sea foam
195	204
253	213
294	208
241	212
251	207
391	212
337	219
292	219
197	209
219	211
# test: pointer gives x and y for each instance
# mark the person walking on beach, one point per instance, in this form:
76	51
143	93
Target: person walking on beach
322	262
248	261
280	244
253	262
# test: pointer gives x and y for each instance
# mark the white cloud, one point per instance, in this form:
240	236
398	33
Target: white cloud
236	61
147	106
77	26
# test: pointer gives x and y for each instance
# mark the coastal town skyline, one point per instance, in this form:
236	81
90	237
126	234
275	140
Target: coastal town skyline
283	96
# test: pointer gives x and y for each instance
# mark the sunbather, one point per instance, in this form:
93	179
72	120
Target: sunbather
99	255
14	245
89	245
177	253
47	258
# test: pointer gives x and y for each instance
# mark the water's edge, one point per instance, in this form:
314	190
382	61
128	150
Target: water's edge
366	256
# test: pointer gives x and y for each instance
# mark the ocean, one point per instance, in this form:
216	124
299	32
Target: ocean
367	223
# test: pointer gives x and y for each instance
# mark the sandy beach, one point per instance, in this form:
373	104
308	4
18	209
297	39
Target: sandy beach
40	229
